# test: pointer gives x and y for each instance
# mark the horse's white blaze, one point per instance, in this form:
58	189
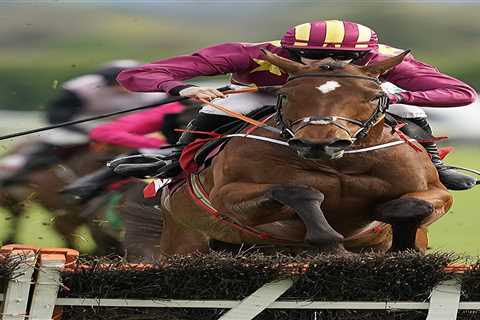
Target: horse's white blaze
328	86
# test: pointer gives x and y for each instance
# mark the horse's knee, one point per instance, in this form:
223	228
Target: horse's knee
405	215
404	210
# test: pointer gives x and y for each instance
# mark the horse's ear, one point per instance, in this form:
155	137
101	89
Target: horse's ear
287	65
381	67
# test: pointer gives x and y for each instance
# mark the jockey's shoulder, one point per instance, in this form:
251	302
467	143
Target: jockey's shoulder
387	50
275	45
384	52
251	49
85	82
271	44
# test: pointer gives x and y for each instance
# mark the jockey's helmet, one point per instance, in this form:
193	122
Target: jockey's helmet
110	70
342	40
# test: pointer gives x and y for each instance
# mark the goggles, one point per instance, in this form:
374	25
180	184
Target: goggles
334	54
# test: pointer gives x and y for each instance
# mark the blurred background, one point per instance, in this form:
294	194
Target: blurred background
45	43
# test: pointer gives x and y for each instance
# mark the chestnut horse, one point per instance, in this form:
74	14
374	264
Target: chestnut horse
315	191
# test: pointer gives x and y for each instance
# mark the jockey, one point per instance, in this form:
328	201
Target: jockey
131	131
422	85
87	95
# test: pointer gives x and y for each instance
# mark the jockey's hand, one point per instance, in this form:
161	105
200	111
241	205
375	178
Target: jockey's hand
201	93
394	98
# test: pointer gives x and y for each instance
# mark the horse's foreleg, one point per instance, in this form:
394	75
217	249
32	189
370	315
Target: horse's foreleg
255	204
407	213
306	202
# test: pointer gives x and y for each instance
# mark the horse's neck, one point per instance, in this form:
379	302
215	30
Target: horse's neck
85	162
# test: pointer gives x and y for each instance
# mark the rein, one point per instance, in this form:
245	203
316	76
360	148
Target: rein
284	143
365	126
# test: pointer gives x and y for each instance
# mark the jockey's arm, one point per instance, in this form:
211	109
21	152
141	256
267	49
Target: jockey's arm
426	86
131	131
168	75
64	107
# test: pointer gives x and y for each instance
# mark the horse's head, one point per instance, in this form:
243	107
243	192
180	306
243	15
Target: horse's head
327	105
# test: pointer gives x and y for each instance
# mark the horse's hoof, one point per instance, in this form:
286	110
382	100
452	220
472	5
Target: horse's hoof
337	250
319	240
331	245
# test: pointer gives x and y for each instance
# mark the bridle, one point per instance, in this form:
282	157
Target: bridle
286	127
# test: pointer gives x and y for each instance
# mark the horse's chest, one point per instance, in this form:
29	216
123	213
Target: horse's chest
354	190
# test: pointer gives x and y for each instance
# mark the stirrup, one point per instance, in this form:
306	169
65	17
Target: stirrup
134	159
139	170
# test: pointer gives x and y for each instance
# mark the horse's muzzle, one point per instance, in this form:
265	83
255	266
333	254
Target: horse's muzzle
332	149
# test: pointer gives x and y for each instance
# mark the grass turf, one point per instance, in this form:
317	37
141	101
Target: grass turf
459	229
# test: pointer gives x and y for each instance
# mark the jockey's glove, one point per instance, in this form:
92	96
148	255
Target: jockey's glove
201	93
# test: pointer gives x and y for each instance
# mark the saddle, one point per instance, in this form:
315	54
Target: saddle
230	128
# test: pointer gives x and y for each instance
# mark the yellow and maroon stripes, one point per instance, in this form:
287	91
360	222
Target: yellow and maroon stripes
333	34
302	34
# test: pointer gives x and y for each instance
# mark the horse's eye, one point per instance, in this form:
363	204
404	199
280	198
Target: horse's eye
326	67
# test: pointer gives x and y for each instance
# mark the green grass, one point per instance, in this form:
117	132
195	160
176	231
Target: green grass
459	230
35	229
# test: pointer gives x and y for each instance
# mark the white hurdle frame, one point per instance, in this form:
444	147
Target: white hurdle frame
46	287
15	299
443	305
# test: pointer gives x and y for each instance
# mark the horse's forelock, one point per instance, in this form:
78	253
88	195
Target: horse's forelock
325	65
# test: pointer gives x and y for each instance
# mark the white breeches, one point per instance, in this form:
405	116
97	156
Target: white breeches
241	102
247	102
64	137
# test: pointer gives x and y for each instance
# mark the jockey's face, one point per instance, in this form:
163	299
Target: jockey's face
309	61
310	55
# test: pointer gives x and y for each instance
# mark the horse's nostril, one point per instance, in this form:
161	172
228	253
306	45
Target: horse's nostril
340	144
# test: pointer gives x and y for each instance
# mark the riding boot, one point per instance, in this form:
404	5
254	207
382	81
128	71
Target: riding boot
450	178
205	122
92	185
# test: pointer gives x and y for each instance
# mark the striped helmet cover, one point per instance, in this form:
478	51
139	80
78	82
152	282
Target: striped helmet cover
330	34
